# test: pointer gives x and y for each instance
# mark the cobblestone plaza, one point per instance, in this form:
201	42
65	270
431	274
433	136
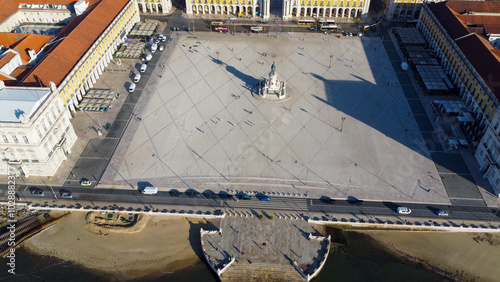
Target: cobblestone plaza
347	129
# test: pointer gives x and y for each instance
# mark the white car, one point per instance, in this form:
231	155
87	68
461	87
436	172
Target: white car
85	182
161	48
442	213
404	210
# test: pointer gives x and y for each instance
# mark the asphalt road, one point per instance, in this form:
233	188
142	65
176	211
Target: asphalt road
123	198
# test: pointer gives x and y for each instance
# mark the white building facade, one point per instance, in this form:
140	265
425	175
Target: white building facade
154	6
488	154
36	134
290	8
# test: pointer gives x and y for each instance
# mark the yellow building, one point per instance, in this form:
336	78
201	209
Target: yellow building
459	33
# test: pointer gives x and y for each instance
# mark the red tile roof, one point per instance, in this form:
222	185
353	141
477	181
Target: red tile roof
21	42
6	58
453	16
64	56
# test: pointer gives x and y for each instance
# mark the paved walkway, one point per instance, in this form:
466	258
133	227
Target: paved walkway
458	168
257	247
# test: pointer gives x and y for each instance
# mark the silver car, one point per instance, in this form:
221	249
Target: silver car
67	195
404	210
442	213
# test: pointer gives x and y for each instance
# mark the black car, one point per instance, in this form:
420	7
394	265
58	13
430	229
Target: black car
328	201
174	193
226	196
355	202
38	193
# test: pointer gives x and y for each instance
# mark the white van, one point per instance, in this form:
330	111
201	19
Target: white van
154	46
144	67
149	190
131	88
137	77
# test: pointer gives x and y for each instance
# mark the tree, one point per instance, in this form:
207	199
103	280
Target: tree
271	217
261	216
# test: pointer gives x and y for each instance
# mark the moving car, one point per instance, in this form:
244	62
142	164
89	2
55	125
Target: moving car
263	197
327	200
244	197
404	210
355	202
85	182
149	190
67	195
442	213
38	193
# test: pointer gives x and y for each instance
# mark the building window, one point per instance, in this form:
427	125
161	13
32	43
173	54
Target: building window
39	133
44	127
15	139
497	181
5	139
26	141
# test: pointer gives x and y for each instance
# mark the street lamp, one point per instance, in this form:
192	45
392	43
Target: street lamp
342	125
331	56
55	196
494	215
217	52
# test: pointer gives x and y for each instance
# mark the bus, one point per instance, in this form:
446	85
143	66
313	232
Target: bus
256	29
307	22
372	26
325	22
216	23
331	28
221	29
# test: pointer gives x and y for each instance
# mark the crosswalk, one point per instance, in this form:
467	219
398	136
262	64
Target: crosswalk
276	203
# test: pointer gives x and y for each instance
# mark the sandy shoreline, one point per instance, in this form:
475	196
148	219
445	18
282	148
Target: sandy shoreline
461	256
163	245
171	243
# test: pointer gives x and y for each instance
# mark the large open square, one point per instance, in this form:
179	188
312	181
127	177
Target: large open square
347	129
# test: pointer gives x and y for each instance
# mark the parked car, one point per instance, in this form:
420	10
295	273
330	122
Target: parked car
442	213
263	197
131	88
38	193
67	195
161	48
404	210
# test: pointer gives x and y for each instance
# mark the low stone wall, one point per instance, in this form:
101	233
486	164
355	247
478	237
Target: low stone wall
308	276
413	225
129	210
219	271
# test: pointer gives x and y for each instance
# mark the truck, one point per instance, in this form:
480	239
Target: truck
149	190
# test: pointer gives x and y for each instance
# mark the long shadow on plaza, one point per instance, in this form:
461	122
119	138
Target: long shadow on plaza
249	82
366	102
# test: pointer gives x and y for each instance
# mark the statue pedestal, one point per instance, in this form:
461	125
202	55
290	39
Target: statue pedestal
272	88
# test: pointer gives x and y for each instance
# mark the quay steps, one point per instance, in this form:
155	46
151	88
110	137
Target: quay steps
257	272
